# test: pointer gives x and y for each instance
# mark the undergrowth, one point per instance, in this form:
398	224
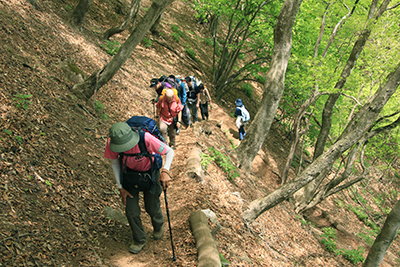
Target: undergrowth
329	241
221	160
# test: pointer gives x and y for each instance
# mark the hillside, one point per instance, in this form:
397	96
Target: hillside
56	185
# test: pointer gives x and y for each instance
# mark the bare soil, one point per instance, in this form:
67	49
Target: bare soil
55	182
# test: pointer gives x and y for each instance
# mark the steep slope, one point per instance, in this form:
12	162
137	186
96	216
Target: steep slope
55	182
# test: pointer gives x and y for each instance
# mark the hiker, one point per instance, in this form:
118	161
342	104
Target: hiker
168	109
183	96
193	99
242	118
182	88
159	85
124	139
205	99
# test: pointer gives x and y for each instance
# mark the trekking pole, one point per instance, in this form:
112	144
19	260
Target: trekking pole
169	224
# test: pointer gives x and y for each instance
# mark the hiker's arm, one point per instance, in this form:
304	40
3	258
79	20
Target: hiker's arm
165	177
198	100
117	171
179	116
169	156
180	105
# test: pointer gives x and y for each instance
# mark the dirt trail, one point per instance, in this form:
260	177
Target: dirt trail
55	182
159	253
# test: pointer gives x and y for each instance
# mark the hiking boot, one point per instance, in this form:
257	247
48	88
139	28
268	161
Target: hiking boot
158	234
136	248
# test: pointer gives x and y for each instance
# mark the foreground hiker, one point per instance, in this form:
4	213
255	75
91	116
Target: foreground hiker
124	140
242	118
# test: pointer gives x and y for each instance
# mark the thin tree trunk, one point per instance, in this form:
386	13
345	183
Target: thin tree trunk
355	105
135	6
385	238
326	124
297	125
358	127
336	29
273	88
89	86
321	31
79	13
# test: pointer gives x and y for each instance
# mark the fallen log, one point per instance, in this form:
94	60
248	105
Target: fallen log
207	253
193	165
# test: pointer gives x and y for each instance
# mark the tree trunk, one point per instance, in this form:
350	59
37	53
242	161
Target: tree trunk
385	238
153	29
326	124
135	6
273	88
87	88
79	13
356	129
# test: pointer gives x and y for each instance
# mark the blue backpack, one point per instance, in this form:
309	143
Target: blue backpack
142	125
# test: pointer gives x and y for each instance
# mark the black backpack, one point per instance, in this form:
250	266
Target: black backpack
135	180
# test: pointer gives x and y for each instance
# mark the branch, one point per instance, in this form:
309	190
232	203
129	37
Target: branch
335	31
356	180
135	5
393	7
321	32
384	129
352	97
387	116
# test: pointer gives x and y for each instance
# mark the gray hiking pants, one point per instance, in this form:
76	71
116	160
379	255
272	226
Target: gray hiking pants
193	111
152	206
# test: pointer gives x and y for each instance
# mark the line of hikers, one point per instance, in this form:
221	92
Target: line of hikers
178	100
135	148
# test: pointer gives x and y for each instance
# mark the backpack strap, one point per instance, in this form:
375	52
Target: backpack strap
143	152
